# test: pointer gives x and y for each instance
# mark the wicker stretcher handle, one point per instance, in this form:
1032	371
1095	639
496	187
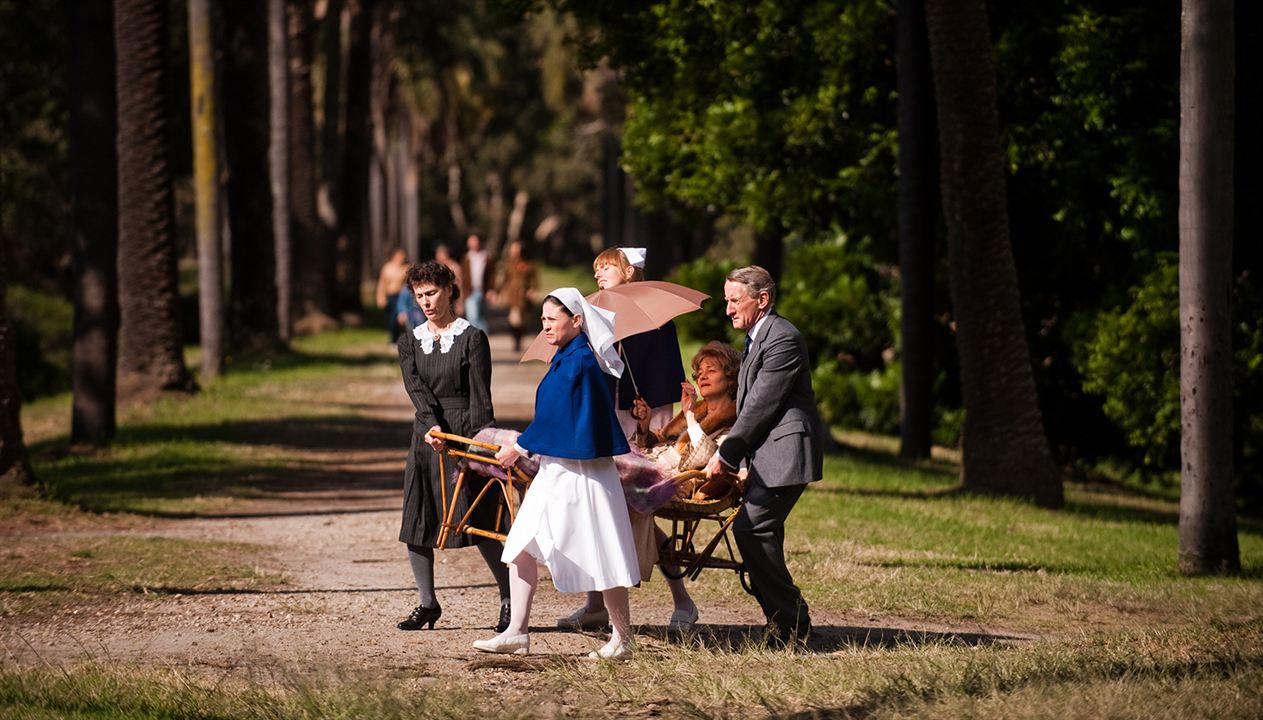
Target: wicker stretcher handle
451	437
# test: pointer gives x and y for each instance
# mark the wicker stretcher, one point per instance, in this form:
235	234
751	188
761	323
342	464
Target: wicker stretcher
693	523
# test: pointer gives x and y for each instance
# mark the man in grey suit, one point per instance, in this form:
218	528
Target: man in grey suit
778	439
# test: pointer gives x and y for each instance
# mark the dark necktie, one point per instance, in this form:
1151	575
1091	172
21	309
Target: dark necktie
746	352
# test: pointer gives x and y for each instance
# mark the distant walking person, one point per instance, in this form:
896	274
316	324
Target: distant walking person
517	289
389	283
778	437
477	278
446	367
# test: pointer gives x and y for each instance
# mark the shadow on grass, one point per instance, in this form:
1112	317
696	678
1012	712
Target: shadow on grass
826	638
154	469
881	458
339	432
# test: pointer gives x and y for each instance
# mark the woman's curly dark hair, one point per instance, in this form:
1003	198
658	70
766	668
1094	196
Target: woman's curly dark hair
728	360
433	273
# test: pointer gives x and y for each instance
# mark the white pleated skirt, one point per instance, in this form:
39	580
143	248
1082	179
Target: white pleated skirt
574	520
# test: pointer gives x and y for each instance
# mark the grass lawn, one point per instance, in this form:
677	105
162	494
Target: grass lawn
1026	612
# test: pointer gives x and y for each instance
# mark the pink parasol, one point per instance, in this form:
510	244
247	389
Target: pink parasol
638	307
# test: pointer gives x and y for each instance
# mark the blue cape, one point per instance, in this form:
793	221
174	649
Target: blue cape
574	410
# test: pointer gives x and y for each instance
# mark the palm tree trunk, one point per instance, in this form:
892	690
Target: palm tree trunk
252	314
1208	523
151	354
206	169
918	204
334	27
15	465
1003	447
357	148
495	212
279	160
94	178
312	257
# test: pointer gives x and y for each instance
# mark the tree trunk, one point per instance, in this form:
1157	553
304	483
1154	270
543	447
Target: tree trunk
1003	447
252	315
495	213
206	171
918	203
517	216
769	249
278	159
312	257
355	157
411	201
613	191
15	465
94	188
1208	523
335	26
151	354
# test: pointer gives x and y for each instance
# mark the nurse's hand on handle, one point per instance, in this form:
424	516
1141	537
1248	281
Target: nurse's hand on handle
507	455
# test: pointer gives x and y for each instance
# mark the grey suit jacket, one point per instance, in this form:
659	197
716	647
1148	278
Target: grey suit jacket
778	430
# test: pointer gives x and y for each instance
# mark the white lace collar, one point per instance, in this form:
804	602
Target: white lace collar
447	336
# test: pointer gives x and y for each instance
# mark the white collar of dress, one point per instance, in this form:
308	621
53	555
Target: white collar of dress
446	336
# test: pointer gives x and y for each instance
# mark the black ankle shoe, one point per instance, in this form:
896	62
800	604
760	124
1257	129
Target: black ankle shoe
420	617
505	615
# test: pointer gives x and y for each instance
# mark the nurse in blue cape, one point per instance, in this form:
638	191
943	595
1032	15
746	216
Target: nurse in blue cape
574	516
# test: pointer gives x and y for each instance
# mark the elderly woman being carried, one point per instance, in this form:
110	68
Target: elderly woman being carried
707	413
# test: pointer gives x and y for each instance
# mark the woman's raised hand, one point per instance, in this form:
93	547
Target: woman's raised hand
688	396
433	441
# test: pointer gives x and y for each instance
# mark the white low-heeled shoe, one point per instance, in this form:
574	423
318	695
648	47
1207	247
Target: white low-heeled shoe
585	619
683	620
608	652
507	644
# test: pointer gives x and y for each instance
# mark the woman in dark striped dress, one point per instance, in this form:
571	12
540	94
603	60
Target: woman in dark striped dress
446	365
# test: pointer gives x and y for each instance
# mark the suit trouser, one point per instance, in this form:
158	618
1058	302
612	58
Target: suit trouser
760	534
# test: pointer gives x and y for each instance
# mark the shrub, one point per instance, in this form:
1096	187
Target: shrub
1130	356
44	330
846	307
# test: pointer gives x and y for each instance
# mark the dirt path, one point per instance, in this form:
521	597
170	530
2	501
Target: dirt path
348	580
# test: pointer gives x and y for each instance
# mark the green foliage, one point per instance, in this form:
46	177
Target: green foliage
1130	356
34	202
507	99
1132	359
846	306
45	333
709	323
778	112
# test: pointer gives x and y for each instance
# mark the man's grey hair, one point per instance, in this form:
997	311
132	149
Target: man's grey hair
756	280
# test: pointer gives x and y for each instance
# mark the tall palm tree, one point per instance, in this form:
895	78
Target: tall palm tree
94	188
312	258
918	203
356	151
1003	448
1208	523
151	355
279	161
206	168
15	466
252	318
